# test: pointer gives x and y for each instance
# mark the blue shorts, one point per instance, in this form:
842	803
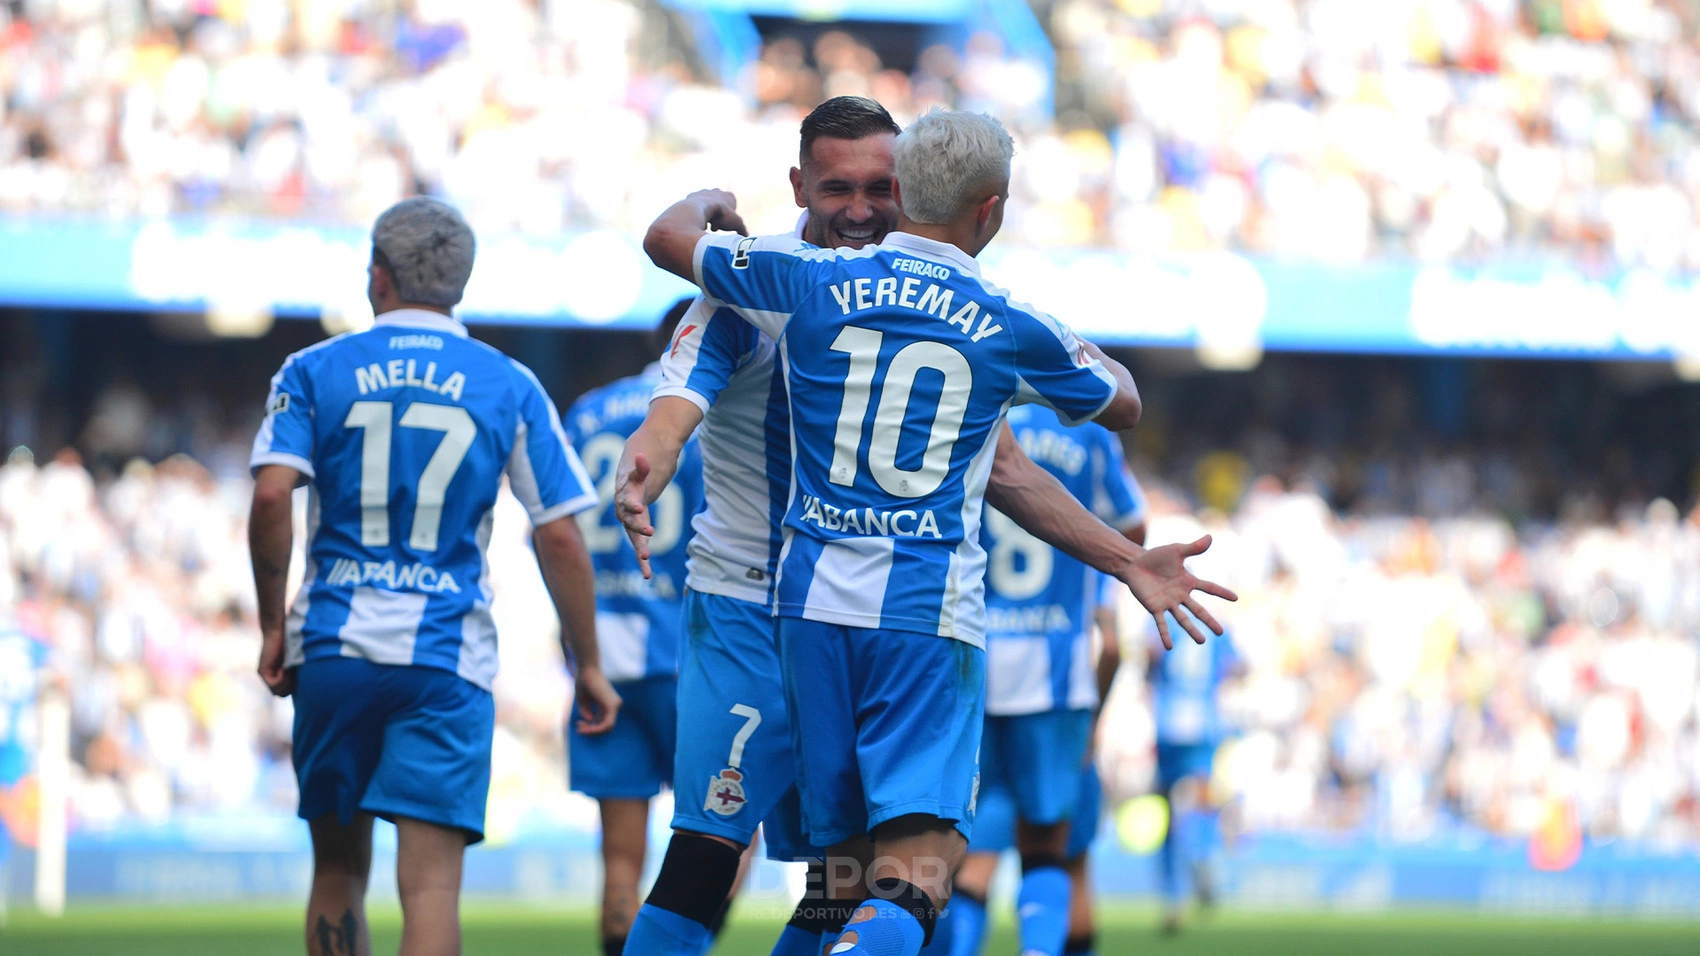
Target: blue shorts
633	759
1176	762
1037	758
994	819
734	764
392	741
885	723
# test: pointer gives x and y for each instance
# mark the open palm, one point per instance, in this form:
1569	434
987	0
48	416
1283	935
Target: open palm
1160	580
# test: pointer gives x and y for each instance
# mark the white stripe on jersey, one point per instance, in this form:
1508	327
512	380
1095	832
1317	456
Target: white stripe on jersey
383	626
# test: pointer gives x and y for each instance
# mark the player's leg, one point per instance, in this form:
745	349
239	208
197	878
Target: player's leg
340	707
427	869
732	764
336	906
1082	928
1045	752
625	840
961	929
433	780
1178	778
917	703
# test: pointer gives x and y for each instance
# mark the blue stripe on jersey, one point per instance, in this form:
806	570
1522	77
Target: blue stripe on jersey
1185	685
406	430
777	427
638	622
900	364
1040	601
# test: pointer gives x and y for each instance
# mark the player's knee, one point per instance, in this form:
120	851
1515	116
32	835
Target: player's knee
696	876
1043	839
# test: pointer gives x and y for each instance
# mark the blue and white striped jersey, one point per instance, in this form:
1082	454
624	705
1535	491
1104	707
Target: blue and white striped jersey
1039	601
900	363
637	622
404	431
725	367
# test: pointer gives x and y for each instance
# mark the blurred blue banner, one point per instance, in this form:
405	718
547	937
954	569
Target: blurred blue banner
1299	871
1217	301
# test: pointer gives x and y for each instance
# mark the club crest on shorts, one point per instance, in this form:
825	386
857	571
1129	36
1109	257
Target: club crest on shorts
726	793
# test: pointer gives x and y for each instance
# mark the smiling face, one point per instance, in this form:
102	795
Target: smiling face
845	184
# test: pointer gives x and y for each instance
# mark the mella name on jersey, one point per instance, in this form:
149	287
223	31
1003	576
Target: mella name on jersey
405	372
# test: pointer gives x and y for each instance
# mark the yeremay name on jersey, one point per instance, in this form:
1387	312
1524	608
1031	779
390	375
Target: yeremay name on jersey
858	295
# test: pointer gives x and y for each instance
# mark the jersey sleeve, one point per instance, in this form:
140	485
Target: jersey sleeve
712	343
1056	371
286	435
543	470
1116	496
762	278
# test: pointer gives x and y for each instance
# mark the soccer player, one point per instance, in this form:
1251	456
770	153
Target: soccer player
637	627
721	372
402	434
1185	686
1038	786
879	581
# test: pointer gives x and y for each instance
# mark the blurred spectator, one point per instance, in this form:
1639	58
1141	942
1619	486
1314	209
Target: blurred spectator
1317	129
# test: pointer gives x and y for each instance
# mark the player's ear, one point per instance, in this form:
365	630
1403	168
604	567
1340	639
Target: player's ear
797	188
897	194
984	212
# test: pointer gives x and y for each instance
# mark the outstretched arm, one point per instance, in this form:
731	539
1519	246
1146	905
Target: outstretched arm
567	571
1034	499
671	241
1124	410
647	465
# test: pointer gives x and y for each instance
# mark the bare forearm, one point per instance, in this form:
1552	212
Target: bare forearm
662	448
672	238
1034	499
1110	658
270	537
567	572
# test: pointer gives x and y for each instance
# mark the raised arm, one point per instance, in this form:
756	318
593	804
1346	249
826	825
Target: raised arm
671	241
567	571
1124	410
271	533
647	465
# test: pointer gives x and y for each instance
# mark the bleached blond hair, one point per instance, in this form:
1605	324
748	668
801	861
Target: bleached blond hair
946	160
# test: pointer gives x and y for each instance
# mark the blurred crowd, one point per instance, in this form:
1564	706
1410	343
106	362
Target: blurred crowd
1405	674
1330	130
140	588
1408	676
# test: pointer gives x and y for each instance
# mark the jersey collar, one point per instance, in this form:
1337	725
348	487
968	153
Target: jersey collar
422	319
932	249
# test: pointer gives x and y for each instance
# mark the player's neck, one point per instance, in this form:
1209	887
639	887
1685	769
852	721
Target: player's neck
958	234
415	306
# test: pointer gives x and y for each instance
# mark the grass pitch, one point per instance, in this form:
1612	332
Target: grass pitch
498	929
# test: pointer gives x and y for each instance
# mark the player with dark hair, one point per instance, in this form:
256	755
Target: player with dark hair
722	373
402	434
638	628
878	593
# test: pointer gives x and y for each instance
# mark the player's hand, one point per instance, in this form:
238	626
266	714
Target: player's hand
633	511
280	680
595	700
1161	582
720	209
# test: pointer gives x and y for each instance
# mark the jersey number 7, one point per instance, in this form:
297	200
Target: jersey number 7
374	418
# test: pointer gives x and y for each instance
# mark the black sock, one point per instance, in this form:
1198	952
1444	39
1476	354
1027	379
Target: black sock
696	877
613	945
1079	945
719	921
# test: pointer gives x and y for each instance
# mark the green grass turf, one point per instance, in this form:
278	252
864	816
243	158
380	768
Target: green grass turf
512	930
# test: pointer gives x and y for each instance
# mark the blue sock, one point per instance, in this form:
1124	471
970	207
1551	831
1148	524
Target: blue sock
797	942
665	933
891	930
943	931
1042	909
1172	862
967	921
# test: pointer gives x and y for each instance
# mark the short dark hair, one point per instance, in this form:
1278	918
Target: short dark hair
845	117
663	334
